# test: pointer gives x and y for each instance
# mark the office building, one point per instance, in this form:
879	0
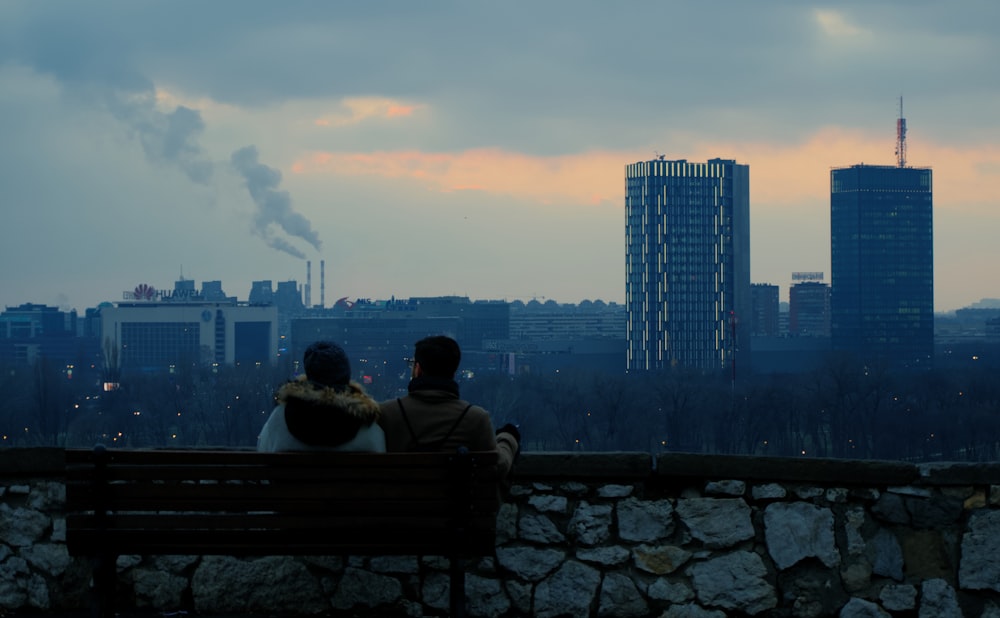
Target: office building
287	297
687	289
809	306
378	336
538	322
479	320
764	310
31	321
159	335
548	338
882	259
31	332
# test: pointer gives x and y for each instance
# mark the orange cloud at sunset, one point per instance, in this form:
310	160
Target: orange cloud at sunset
395	111
789	174
356	110
587	178
781	175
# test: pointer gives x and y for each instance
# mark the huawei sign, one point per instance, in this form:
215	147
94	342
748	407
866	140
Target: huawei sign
142	291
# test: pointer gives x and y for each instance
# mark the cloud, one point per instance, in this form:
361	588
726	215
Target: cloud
274	207
789	175
356	110
169	138
836	25
586	178
782	175
95	66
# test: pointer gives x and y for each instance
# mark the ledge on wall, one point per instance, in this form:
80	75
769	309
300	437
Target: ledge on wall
776	469
48	462
569	465
40	462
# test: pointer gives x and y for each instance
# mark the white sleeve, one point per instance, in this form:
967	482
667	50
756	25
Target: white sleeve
267	441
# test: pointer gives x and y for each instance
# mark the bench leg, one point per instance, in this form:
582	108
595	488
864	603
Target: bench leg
456	589
105	577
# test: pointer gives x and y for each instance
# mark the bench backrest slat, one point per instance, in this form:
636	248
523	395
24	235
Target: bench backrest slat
241	502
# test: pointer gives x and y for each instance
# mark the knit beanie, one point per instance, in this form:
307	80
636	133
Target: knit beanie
326	363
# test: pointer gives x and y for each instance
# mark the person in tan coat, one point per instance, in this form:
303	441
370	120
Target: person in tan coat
433	417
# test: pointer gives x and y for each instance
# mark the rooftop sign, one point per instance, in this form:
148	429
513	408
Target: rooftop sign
806	276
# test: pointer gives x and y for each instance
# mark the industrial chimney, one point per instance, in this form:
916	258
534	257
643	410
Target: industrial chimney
308	284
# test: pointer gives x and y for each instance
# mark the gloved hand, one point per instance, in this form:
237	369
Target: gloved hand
512	430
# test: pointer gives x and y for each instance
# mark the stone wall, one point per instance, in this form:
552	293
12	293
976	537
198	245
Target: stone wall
591	534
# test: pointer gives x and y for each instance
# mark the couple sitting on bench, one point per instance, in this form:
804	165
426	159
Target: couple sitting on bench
326	410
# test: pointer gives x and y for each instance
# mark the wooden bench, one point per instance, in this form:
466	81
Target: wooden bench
242	503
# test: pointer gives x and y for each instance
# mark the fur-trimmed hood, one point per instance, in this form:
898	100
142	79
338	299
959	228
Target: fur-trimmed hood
321	416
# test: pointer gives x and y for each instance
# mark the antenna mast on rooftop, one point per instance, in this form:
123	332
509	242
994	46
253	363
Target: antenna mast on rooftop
901	137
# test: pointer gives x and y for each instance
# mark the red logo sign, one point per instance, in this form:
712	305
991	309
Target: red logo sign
144	292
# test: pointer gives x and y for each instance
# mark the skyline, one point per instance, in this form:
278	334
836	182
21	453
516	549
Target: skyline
480	151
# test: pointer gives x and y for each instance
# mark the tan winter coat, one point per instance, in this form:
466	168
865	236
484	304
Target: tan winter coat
431	415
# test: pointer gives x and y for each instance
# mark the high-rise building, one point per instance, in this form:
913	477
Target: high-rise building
809	306
764	310
687	288
882	261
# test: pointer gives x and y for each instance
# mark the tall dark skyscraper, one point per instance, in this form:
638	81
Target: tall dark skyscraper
882	259
687	289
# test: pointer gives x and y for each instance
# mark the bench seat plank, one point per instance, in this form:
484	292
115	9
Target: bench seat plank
357	540
323	497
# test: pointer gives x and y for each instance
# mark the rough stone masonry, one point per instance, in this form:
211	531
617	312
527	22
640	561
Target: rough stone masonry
591	534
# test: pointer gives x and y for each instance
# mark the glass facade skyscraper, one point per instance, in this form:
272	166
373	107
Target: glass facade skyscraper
687	289
882	261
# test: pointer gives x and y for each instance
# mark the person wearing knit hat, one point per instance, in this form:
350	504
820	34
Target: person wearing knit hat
323	409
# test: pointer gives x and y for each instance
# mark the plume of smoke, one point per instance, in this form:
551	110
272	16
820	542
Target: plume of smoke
273	205
169	138
96	64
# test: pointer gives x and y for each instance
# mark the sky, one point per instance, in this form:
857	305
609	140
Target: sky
466	148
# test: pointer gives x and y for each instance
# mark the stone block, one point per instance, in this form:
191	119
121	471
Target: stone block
716	522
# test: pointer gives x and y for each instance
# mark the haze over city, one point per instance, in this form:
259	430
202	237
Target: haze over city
477	150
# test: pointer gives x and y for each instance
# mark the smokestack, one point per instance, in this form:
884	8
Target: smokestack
309	286
322	283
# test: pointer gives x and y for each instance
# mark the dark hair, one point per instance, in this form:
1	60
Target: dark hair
438	356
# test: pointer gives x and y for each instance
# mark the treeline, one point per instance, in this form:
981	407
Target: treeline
191	407
843	410
839	411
